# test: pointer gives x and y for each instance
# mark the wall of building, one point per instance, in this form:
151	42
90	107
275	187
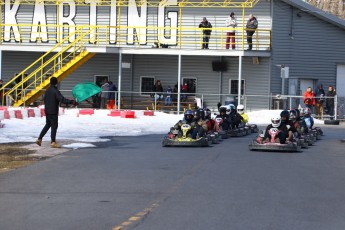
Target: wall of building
310	46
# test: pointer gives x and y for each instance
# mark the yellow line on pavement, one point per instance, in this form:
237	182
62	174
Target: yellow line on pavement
137	217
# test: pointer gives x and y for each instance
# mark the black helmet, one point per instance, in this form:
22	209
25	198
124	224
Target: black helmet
298	113
222	110
293	115
188	115
285	116
207	113
199	114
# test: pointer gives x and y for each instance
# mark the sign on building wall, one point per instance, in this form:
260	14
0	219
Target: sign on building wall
60	21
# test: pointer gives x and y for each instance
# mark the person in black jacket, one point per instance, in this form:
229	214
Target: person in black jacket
206	32
330	102
52	99
252	25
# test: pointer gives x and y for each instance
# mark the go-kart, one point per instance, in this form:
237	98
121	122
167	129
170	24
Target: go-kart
272	145
319	132
237	132
254	128
214	137
183	138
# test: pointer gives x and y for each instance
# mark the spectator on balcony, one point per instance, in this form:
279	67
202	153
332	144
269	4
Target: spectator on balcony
184	91
158	90
168	99
252	25
175	93
206	32
230	35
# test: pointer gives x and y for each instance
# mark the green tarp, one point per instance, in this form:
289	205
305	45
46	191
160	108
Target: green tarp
85	90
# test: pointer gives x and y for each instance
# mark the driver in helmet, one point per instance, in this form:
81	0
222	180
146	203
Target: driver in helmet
188	118
309	120
200	127
296	123
235	117
225	119
209	121
240	110
285	119
277	127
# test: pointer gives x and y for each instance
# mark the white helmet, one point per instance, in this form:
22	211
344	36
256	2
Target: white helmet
275	121
240	109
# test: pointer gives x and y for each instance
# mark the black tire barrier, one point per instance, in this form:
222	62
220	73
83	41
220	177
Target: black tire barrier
331	122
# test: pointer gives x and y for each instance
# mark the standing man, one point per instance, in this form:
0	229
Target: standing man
330	101
230	35
206	32
320	98
309	99
252	25
111	96
52	99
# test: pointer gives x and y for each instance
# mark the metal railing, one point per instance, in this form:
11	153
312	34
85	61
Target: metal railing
132	37
152	3
144	101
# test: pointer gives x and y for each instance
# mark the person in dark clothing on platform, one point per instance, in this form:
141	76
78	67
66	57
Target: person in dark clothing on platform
252	25
52	99
206	32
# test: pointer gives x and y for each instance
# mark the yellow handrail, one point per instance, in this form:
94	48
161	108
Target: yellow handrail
186	37
151	3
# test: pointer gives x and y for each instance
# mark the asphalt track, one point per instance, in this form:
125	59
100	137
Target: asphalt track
134	183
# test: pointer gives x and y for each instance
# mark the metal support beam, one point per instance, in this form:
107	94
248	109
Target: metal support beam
119	83
239	79
179	84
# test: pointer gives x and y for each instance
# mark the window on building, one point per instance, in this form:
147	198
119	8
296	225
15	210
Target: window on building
101	79
19	78
233	86
146	83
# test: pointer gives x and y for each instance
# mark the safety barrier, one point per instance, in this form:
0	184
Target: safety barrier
23	113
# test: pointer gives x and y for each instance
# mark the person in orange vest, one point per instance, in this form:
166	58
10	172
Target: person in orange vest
309	99
111	96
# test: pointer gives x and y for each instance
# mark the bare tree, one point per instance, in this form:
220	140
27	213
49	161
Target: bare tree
336	7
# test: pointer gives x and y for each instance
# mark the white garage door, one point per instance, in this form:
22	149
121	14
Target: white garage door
340	87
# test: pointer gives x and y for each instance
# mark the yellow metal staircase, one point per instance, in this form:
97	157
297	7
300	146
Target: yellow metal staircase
60	61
